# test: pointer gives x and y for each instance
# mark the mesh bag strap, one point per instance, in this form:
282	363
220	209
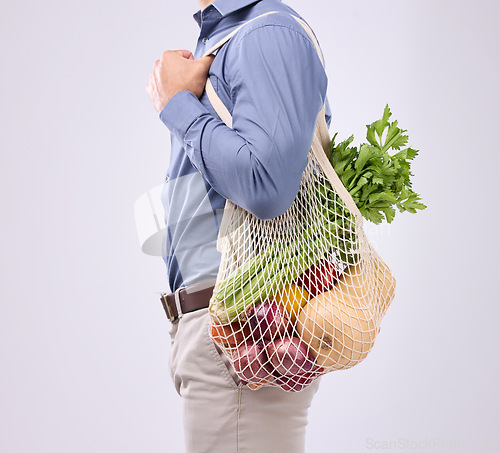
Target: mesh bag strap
218	105
230	35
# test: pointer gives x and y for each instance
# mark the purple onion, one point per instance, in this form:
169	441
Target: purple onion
251	363
295	383
300	381
267	320
289	356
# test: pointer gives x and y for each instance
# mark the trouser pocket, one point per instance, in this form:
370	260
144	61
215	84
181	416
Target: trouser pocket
173	329
174	326
195	360
223	362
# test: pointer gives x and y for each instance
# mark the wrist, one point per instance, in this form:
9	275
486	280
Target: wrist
181	111
170	95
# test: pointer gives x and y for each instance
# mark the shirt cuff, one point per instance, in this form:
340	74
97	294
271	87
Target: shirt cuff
181	111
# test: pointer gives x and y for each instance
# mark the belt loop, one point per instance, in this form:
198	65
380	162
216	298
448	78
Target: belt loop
178	303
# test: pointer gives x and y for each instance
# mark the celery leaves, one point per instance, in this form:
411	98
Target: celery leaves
378	181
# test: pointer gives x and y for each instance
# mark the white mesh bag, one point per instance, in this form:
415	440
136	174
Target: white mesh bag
304	293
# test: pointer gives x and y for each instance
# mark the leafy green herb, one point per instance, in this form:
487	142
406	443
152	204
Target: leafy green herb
378	181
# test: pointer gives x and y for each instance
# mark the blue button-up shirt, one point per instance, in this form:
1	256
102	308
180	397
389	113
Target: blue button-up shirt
270	78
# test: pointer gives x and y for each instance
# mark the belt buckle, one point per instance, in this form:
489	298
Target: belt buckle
166	305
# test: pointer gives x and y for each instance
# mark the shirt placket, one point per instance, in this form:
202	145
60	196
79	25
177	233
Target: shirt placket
209	19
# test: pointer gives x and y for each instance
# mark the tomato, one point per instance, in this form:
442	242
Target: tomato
293	298
229	335
257	385
319	278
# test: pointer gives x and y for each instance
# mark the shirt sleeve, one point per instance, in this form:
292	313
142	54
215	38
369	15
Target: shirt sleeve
278	86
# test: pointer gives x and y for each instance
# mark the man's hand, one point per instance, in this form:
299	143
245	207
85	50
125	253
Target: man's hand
175	71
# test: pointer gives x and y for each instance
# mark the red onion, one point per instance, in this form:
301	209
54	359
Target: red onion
295	383
300	381
267	320
289	356
250	362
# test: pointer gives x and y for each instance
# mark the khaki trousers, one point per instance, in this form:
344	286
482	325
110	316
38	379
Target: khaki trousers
220	415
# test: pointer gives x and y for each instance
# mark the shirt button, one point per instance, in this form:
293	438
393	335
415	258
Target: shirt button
205	40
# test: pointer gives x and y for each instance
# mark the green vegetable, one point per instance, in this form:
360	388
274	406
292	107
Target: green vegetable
261	277
378	183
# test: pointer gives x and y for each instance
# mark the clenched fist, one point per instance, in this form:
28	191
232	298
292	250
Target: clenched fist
175	71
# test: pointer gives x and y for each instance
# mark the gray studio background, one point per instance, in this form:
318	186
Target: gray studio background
84	340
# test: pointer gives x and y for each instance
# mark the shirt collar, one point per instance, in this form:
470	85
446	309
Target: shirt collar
224	7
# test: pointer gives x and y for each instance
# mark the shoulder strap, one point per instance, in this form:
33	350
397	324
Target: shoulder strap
298	19
230	35
219	106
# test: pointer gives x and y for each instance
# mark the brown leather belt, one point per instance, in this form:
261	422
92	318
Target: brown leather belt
190	298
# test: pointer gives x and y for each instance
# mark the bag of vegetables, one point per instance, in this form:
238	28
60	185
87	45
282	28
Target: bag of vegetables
304	293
